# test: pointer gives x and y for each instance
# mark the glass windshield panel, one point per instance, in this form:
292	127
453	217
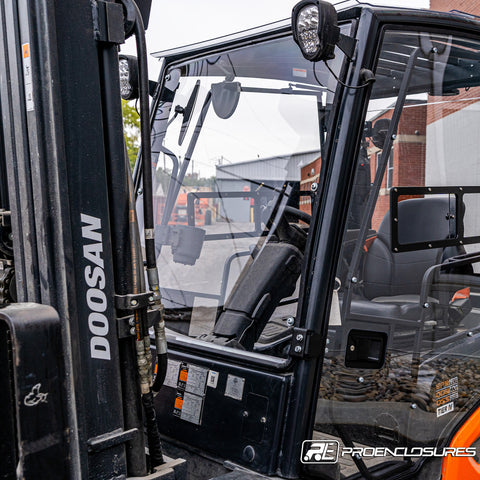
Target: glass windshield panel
402	364
237	141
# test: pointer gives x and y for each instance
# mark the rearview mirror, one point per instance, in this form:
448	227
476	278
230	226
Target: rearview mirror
225	97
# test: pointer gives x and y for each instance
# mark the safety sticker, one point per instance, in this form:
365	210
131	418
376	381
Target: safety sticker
182	376
171	377
212	379
188	407
197	379
235	386
446	392
27	77
299	72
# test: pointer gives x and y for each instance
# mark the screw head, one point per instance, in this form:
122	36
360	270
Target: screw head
394	137
470	334
360	379
352	348
131	322
263	420
150	299
314	187
299	337
140	191
132	331
354	280
245	414
413	406
298	349
426	305
290	321
134	302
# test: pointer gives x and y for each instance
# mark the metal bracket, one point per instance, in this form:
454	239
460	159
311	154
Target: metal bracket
133	301
107	440
305	343
125	324
108	22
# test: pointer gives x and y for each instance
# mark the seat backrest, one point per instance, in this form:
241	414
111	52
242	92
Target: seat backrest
387	273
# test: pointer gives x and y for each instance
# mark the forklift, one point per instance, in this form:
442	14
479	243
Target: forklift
323	324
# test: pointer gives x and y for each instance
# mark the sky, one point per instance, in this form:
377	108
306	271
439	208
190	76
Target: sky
174	23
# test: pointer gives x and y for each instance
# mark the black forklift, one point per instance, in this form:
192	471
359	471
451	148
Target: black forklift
324	323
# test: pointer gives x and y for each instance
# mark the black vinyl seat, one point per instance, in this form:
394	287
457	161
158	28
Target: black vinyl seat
392	281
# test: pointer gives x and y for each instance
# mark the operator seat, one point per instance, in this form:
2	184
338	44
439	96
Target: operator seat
392	281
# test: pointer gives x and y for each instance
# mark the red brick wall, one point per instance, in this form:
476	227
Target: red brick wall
309	174
408	156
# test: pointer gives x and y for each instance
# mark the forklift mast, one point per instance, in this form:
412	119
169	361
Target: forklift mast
309	192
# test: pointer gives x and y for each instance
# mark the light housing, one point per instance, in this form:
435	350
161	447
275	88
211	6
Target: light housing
315	29
128	70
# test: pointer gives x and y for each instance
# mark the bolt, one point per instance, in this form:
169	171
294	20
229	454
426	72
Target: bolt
299	337
434	50
150	299
290	321
429	245
470	334
413	406
167	77
131	322
10	236
352	348
245	414
395	220
395	249
314	187
394	137
360	379
132	331
354	279
263	420
328	341
133	302
426	305
298	349
326	350
140	191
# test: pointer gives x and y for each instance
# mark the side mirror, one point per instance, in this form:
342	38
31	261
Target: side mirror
315	29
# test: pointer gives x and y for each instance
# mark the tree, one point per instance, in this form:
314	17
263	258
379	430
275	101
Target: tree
131	129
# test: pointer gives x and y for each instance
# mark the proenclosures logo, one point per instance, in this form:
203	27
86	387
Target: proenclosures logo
329	451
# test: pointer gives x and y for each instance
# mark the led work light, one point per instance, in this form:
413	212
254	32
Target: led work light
128	70
315	29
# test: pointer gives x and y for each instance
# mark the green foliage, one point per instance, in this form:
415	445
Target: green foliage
131	130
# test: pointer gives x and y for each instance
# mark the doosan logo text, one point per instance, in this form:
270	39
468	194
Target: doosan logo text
95	279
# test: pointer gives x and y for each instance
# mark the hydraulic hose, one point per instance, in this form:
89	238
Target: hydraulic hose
142	344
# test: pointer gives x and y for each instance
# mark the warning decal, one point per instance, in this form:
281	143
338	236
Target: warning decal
27	77
446	392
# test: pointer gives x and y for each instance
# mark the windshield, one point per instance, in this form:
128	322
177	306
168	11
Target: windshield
237	141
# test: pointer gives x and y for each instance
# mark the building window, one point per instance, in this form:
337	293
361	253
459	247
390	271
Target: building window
389	168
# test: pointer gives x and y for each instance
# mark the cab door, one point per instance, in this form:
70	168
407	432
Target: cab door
401	367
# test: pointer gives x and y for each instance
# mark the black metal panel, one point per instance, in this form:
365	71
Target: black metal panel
56	142
458	238
33	425
244	428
